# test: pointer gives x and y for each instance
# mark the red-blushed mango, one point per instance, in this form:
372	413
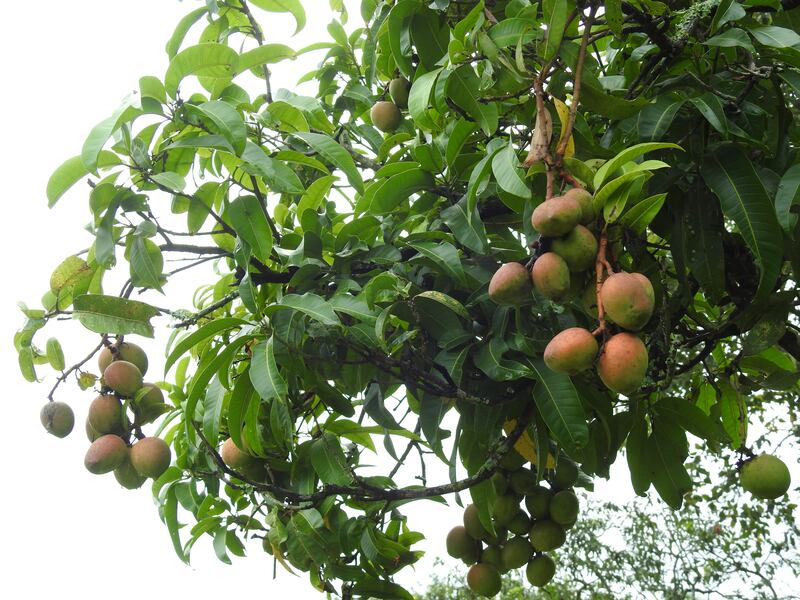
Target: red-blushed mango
628	300
540	570
125	351
547	535
386	116
106	414
578	248
459	543
551	277
510	284
123	377
765	476
557	216
105	454
586	201
150	457
623	363
127	476
484	580
233	456
399	87
57	418
571	351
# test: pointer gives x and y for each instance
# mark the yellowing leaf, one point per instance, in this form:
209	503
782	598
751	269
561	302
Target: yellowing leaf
563	116
525	446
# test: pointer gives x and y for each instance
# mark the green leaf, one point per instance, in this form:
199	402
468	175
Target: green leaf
72	171
560	407
641	214
399	188
310	304
208	330
169	514
636	456
147	263
171	181
463	88
101	133
213	402
596	100
332	151
290	117
655	120
667	449
731	38
398	28
613	165
555	14
73	276
706	255
775	37
510	32
114	315
445	258
214	62
446	301
787	198
732	177
507	172
264	374
614	17
467	228
291	6
184	25
55	354
489	359
419	98
688	416
250	222
263	55
226	121
710	106
329	461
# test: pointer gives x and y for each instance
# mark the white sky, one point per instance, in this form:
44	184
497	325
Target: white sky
67	533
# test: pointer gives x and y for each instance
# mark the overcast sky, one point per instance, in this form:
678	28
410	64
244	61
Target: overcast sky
66	533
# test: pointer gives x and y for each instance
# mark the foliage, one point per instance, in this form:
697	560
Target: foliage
348	303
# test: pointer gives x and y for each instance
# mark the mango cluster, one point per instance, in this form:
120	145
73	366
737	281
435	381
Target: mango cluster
529	520
559	273
386	115
108	425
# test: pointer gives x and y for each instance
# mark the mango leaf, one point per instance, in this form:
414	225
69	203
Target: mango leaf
463	88
332	151
398	189
506	169
731	38
560	406
263	55
636	456
710	106
277	173
613	165
216	62
706	256
183	27
264	374
555	14
419	98
72	171
114	315
309	304
733	179
147	263
250	222
294	7
445	258
329	461
73	276
467	228
667	450
398	23
208	330
226	120
775	37
787	198
641	214
655	120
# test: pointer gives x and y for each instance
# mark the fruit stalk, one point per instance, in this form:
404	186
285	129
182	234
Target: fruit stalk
602	270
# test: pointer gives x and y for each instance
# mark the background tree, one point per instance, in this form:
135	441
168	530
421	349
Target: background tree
354	239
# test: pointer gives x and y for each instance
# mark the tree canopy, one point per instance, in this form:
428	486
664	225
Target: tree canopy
500	233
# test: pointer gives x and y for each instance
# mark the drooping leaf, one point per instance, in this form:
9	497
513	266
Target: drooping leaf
560	407
114	315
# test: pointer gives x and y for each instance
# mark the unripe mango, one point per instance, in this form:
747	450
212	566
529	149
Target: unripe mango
123	377
505	509
765	476
571	351
578	248
623	363
148	405
510	284
589	300
105	454
520	524
106	414
484	580
399	87
628	300
150	457
386	116
126	351
492	555
564	507
538	502
586	201
567	473
557	216
547	535
550	276
127	476
523	481
540	570
57	418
